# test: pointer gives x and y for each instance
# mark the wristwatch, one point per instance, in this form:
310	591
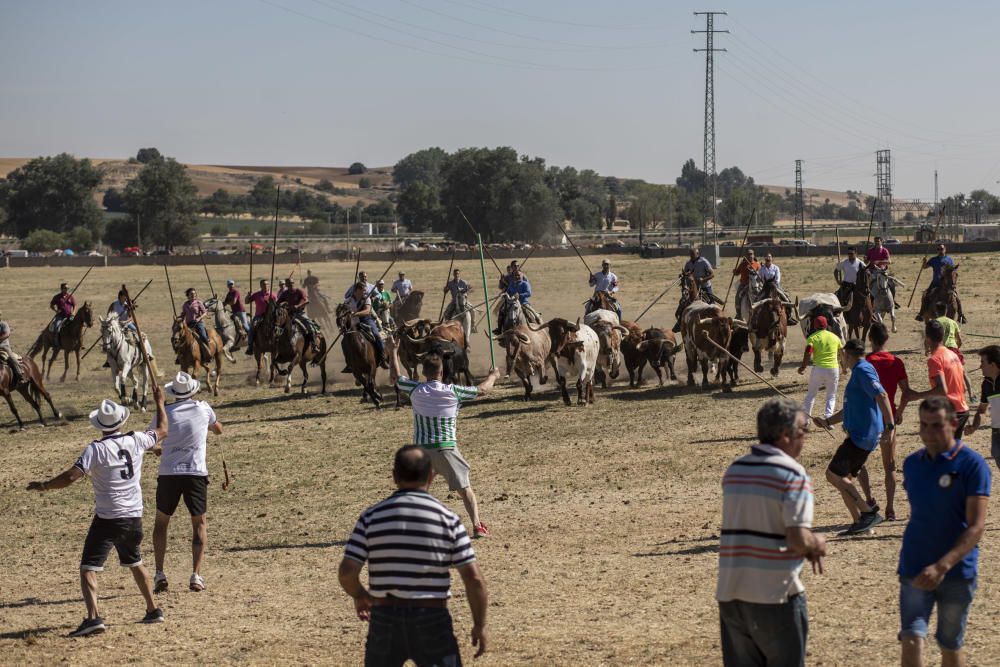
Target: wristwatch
890	426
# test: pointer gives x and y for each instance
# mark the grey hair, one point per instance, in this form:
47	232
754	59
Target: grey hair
775	417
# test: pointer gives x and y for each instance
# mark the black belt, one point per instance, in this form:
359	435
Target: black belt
390	601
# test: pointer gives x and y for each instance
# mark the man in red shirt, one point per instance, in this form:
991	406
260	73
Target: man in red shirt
259	299
747	265
892	375
946	373
878	255
64	304
295	299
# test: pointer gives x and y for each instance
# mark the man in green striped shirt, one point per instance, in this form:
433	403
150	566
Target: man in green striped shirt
435	418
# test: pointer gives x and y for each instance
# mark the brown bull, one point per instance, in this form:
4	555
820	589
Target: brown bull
409	336
528	353
768	330
657	348
703	322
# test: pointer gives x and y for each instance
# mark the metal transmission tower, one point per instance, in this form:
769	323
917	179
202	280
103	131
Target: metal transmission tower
800	209
883	190
935	190
710	50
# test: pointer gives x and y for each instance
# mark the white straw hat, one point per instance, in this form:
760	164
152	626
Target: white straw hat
183	386
109	416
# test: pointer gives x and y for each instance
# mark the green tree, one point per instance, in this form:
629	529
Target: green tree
43	240
650	208
325	185
356	168
423	166
113	201
163	199
364	183
80	239
54	193
419	207
120	233
611	212
147	155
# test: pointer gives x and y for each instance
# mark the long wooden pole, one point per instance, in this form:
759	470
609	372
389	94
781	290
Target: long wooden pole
525	260
447	278
204	264
274	241
170	289
480	238
575	249
250	286
489	318
837	230
923	262
657	299
756	374
870	223
739	258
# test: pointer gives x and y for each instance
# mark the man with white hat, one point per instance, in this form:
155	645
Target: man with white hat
184	473
114	465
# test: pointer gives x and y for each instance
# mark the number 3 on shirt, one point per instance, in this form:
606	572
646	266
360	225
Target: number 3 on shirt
129	470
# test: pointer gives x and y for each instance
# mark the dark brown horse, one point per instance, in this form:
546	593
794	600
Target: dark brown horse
409	309
192	356
31	389
263	342
69	339
291	347
861	313
946	292
359	352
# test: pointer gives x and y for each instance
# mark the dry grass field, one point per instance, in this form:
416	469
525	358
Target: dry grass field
605	519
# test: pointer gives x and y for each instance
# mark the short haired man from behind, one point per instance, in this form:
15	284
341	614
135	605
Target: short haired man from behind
410	540
767	513
948	487
114	465
989	359
946	374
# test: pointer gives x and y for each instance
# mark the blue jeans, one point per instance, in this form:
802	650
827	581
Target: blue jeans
953	598
199	329
242	318
372	324
423	635
756	634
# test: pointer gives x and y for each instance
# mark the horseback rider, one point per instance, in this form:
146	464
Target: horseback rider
260	300
7	354
402	287
846	274
456	286
194	312
295	299
879	256
607	282
517	286
64	305
236	306
119	308
363	279
380	304
936	264
747	265
770	271
361	306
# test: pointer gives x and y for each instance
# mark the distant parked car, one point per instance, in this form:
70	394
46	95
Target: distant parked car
161	251
757	244
92	253
892	242
728	244
17	253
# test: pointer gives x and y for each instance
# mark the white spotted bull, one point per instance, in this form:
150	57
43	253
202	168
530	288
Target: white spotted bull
609	333
575	348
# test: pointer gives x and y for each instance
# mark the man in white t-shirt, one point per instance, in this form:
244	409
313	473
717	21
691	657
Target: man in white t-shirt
114	465
846	274
435	421
184	474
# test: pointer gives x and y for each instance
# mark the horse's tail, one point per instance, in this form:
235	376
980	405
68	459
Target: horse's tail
37	346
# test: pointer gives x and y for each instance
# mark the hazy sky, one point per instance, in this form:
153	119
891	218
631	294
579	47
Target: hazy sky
611	86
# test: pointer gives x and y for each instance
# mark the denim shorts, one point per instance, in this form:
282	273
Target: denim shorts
953	597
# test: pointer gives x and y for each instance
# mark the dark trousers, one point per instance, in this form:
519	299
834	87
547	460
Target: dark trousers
423	635
253	325
758	635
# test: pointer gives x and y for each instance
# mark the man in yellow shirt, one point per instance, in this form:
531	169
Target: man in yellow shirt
823	348
953	341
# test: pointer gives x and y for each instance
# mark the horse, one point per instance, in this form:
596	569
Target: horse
359	352
290	347
463	314
860	314
263	342
879	284
191	353
230	332
749	296
125	358
946	293
405	310
690	292
602	300
31	389
69	339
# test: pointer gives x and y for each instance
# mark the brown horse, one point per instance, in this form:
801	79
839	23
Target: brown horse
191	354
290	347
408	309
69	339
359	352
946	292
263	342
861	314
32	389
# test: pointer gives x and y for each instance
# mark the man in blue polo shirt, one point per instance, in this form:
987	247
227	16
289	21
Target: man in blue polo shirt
948	486
867	418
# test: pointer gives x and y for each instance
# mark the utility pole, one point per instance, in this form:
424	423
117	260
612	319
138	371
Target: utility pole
709	161
883	189
800	213
935	190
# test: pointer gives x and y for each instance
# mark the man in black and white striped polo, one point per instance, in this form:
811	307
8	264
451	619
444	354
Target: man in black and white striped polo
410	540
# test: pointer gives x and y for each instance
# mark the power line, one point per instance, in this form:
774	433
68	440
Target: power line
544	19
709	161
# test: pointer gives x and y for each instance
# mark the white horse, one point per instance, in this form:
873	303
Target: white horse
881	284
125	359
231	334
748	296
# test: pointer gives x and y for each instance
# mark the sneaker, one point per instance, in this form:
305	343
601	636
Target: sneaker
480	530
155	616
872	505
249	352
90	626
160	584
869	520
197	584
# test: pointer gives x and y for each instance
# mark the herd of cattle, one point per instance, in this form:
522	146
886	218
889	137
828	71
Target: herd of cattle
596	347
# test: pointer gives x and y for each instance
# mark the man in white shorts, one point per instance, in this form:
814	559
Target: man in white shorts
184	474
114	465
435	417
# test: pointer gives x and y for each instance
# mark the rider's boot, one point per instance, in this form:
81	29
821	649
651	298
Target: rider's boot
15	371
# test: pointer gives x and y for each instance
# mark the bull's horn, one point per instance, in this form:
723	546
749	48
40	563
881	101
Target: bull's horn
499	338
415	341
523	337
705	320
755	306
622	329
642	346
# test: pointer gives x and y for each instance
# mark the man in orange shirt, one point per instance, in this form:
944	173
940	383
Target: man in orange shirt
747	265
947	376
